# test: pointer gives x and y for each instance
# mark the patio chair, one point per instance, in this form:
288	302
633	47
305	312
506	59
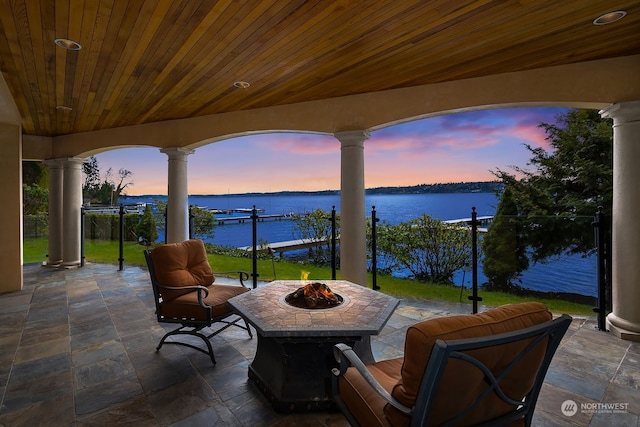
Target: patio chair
469	370
184	293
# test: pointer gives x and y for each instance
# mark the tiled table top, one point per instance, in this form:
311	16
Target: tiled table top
363	311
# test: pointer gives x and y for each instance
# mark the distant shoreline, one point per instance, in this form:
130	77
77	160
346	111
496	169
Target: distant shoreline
447	188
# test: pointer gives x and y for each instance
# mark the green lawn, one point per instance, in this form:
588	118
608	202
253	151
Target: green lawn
100	251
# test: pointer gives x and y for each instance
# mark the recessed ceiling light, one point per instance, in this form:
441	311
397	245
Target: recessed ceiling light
609	18
63	108
242	85
68	44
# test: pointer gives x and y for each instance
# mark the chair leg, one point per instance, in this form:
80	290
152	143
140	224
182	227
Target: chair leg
234	322
246	326
193	332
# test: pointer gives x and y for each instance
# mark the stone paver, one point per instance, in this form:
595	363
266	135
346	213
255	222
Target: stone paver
78	348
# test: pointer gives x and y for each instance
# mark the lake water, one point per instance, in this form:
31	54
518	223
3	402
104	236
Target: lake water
573	274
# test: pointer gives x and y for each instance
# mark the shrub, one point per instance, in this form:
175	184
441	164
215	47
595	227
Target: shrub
146	228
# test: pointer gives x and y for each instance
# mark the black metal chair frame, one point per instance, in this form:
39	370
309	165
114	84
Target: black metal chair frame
190	326
552	330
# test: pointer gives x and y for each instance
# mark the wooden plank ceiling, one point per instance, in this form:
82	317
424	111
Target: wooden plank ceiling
144	61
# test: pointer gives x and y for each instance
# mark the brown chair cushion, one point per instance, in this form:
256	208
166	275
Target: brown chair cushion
361	399
187	306
461	382
181	264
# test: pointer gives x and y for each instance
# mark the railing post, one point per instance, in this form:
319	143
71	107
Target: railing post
374	249
121	243
254	252
82	212
599	223
191	222
333	243
474	260
166	223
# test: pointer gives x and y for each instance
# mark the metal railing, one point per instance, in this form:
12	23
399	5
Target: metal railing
601	247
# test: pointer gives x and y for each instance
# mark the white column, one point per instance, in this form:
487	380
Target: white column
353	239
71	207
177	195
624	320
55	211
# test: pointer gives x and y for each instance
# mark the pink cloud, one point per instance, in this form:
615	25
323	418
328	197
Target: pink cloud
401	142
533	135
467	144
403	147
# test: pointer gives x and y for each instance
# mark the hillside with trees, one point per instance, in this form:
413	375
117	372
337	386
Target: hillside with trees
451	187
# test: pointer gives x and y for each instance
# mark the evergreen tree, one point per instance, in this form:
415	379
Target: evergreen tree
160	216
505	257
147	226
562	192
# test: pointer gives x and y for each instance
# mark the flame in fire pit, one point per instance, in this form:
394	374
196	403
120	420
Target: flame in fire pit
314	295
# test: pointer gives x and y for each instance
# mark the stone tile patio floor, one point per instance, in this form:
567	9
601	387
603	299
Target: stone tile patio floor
78	349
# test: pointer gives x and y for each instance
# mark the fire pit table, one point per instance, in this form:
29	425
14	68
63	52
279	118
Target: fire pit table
294	356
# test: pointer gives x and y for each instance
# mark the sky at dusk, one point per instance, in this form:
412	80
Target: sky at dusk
450	148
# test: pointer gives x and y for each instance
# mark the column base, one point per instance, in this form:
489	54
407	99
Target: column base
623	329
52	264
70	264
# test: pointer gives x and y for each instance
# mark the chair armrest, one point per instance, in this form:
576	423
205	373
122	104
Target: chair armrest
203	292
242	275
346	357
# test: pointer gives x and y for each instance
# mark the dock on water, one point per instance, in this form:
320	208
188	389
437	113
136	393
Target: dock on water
234	210
483	222
240	219
290	245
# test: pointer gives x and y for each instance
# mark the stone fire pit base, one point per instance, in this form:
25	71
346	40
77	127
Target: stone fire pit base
294	355
295	375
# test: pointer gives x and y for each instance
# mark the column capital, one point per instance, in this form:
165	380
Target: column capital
623	112
66	161
178	153
352	137
53	163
